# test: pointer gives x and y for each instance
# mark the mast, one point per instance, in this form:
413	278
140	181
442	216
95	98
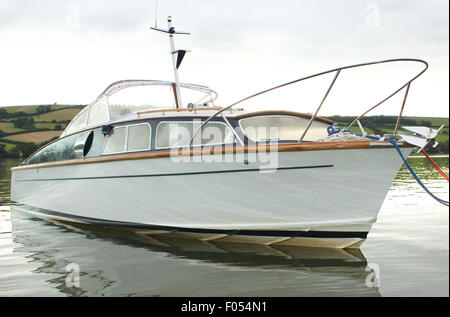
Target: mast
174	53
177	57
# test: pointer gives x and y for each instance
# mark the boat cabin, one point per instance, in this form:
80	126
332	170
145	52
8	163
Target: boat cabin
119	123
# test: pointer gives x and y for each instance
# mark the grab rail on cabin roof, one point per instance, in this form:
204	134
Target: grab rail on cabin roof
337	71
123	84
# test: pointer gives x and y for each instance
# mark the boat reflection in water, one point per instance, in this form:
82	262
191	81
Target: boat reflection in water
122	262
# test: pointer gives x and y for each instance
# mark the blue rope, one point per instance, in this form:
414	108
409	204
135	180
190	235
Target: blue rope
446	203
414	174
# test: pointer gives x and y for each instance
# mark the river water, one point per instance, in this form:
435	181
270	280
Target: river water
405	254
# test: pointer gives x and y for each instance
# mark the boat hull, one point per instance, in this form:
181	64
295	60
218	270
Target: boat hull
327	198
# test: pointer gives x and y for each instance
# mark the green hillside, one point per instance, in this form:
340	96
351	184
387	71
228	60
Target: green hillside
23	129
435	122
33	109
380	125
62	115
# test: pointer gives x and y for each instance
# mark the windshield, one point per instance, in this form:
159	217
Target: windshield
128	96
262	128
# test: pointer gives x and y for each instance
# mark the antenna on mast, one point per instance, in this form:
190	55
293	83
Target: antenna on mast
177	56
156	14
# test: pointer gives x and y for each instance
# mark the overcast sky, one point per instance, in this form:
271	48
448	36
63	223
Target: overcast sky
69	51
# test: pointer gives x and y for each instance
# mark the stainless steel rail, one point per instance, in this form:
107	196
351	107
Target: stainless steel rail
338	71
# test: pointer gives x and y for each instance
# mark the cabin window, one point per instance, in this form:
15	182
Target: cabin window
115	142
78	123
263	128
98	112
138	137
178	134
60	150
128	139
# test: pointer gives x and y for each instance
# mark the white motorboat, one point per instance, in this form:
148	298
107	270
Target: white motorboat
202	171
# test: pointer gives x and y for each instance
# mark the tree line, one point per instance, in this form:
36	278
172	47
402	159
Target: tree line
27	123
376	123
20	149
373	121
4	114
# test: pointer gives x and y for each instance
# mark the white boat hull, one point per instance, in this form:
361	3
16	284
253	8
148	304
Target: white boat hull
316	198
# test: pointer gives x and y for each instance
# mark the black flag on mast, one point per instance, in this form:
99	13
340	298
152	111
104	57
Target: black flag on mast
180	56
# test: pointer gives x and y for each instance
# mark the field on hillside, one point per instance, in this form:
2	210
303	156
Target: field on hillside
59	115
34	137
8	127
49	125
32	109
435	122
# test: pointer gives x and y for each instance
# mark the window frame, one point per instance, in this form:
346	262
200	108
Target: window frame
126	127
83	111
187	146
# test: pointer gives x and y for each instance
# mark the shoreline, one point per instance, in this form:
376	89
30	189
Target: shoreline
421	156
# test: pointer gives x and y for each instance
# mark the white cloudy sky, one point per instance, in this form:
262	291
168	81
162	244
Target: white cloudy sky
69	51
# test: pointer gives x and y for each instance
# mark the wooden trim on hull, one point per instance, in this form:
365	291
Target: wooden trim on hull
217	150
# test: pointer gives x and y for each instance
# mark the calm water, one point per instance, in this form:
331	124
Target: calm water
407	251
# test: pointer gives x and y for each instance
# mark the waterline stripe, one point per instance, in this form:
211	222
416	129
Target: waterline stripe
177	174
246	232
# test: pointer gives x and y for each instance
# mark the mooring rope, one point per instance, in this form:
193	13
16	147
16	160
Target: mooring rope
446	203
414	174
434	164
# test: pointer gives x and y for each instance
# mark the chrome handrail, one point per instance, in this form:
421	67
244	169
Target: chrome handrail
337	70
320	106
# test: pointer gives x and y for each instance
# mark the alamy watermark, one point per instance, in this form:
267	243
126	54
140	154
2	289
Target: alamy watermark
73	16
73	278
373	277
373	17
217	143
